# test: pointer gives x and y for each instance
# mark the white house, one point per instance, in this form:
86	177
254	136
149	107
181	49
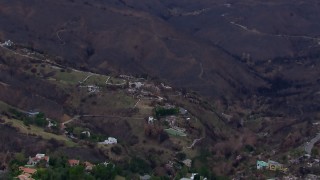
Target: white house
87	133
110	140
136	85
93	88
8	43
150	120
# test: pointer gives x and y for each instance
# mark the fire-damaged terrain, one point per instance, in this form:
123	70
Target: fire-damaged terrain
245	72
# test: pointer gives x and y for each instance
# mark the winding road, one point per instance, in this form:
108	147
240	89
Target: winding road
309	145
194	142
275	35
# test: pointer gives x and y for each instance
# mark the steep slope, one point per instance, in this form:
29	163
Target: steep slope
106	37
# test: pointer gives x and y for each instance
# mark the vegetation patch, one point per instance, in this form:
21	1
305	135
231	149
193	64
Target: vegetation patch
175	132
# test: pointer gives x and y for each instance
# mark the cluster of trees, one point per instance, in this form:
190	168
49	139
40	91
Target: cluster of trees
155	131
38	120
160	111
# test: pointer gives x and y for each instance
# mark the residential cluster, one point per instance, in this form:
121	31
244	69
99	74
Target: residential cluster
28	170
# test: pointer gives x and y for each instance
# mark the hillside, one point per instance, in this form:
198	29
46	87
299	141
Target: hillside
246	71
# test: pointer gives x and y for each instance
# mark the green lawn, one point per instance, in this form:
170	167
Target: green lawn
99	80
72	77
174	132
113	80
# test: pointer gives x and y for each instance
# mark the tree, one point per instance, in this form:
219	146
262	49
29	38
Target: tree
181	156
77	131
40	120
76	172
117	150
138	165
103	172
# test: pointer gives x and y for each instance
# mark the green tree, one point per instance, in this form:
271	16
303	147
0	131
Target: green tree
138	165
103	172
40	120
76	172
77	131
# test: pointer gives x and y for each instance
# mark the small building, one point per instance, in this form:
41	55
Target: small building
187	162
145	177
88	166
73	162
262	165
110	140
27	171
93	89
35	160
33	113
25	177
166	87
8	43
183	111
51	124
136	85
150	120
87	133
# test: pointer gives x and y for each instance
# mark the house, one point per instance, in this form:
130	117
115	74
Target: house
136	85
110	140
35	160
93	89
187	162
166	86
51	124
145	177
160	99
87	133
27	171
25	177
183	111
262	165
88	166
107	164
193	177
73	162
8	43
150	120
32	113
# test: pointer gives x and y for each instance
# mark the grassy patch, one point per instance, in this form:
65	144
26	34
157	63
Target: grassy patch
72	77
174	132
38	131
99	80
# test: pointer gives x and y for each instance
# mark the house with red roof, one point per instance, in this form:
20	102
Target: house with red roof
26	170
73	162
